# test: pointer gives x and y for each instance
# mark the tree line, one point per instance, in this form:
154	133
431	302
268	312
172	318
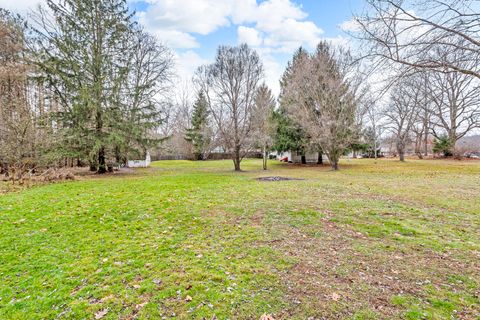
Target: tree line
83	84
428	96
317	106
431	52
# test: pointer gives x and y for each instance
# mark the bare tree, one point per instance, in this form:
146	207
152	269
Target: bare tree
401	114
424	115
455	99
176	114
230	85
323	96
419	89
397	33
175	121
262	120
374	119
412	32
146	93
17	129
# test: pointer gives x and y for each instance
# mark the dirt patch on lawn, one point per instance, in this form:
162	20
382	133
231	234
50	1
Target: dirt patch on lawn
85	174
277	179
341	273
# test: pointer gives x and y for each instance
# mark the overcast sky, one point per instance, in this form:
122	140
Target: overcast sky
275	28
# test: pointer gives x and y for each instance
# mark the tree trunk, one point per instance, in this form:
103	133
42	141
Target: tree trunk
93	166
334	163
304	159
118	156
102	168
418	145
264	158
236	164
401	149
453	143
425	140
236	158
320	157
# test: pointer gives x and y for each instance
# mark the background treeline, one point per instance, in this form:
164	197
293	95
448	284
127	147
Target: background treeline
411	86
83	84
428	53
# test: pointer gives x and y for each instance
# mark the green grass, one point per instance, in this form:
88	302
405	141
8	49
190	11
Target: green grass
191	240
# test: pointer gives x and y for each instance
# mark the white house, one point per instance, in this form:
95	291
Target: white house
140	163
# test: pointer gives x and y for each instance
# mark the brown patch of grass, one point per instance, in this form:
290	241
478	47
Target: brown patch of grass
334	280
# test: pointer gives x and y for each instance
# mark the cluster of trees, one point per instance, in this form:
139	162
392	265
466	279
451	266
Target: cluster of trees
432	52
82	84
18	139
320	96
426	52
237	101
444	105
317	109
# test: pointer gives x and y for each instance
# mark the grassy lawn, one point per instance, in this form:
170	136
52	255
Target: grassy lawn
193	240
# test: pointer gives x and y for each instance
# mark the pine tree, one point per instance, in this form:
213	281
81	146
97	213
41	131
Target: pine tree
288	135
105	72
84	59
198	134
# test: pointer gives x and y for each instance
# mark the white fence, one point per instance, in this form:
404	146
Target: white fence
140	163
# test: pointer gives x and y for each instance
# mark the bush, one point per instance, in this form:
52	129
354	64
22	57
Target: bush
443	145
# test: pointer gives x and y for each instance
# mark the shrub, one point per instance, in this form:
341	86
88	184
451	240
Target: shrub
443	145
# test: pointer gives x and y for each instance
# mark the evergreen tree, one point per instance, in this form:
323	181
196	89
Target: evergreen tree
84	57
288	135
198	134
104	71
443	145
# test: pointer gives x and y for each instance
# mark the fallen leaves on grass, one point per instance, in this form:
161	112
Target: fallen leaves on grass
140	305
101	313
335	296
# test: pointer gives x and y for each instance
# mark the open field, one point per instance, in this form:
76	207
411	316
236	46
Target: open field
189	240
